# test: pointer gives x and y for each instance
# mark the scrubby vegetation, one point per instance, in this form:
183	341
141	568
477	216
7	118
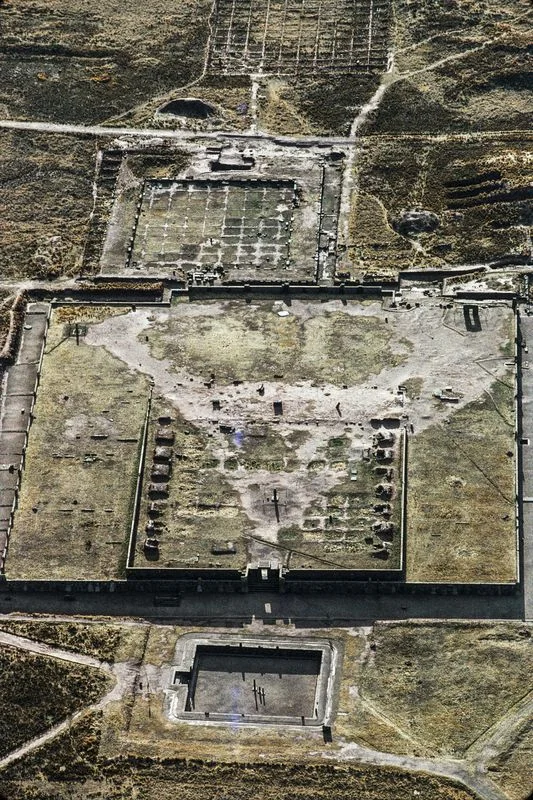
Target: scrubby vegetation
38	692
100	641
442	684
61	769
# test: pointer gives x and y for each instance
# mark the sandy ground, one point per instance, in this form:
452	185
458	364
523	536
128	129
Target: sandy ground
437	354
431	342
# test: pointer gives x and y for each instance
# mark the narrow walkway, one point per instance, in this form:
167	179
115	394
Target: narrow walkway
503	732
18	398
457	770
43	649
526	326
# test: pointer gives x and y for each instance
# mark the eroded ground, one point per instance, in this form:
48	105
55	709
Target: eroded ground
298	481
277	431
475	195
302	474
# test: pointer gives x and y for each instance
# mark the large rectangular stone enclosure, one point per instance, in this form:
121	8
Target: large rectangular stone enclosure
227	679
220	223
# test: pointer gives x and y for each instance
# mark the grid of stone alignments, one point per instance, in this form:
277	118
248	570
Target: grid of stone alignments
195	223
300	36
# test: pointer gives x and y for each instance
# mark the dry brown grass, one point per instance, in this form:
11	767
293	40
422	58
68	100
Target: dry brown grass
100	641
74	509
45	202
67	61
70	766
395	174
512	768
461	494
414	688
443	685
38	692
481	87
409	688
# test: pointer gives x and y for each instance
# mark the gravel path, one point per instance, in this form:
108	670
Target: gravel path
124	673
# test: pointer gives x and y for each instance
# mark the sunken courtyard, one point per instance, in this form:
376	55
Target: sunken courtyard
224	678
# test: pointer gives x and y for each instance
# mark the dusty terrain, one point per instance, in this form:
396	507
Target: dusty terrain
401	689
227	352
256	453
78	484
275	404
277	411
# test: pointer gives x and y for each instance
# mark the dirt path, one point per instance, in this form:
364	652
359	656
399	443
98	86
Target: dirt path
298	141
89	620
164	133
460	771
124	673
502	733
371	708
162	99
465	53
471	773
42	649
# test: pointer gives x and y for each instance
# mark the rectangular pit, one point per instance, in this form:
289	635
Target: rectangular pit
222	679
235	680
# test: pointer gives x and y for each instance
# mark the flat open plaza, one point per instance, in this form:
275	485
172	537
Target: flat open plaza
327	434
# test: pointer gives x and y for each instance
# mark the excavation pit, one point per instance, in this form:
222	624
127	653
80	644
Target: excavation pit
294	37
190	108
222	213
250	680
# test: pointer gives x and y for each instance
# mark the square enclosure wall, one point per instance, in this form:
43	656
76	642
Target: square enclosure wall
262	680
